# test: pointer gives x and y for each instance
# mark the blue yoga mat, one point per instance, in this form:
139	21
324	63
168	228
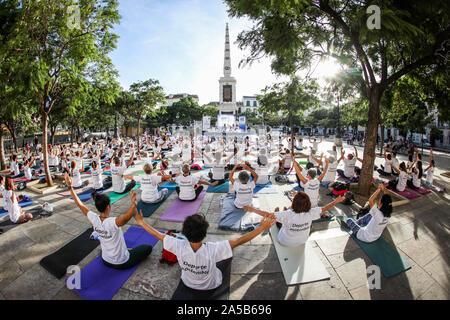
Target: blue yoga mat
87	195
149	208
220	188
169	185
298	188
98	282
382	254
22	204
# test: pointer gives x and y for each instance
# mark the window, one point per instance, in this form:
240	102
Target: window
248	103
227	93
255	104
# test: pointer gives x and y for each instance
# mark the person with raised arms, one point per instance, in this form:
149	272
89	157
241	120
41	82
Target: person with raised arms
186	185
149	185
109	230
15	212
117	174
311	184
295	223
349	164
242	186
370	227
203	264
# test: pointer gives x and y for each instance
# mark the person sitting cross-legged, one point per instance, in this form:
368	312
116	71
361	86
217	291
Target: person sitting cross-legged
204	265
186	188
370	227
114	249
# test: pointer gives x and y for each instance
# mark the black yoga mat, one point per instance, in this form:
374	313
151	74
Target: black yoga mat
71	254
37	213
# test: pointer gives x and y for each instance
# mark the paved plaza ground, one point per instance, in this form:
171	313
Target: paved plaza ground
418	230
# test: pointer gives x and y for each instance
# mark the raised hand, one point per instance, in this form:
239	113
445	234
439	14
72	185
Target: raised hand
138	216
267	223
133	198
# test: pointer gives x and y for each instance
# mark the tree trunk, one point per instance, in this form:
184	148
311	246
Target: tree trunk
48	176
52	135
365	180
2	151
381	138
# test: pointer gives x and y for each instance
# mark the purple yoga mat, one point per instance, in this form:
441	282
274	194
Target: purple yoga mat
98	282
180	210
421	190
406	194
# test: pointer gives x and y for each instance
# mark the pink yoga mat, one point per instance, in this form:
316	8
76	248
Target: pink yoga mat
20	179
180	210
407	194
421	190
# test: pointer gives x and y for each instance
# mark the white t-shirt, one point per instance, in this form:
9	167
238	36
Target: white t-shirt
387	166
395	163
186	154
12	206
263	174
27	172
149	186
402	180
198	269
349	167
330	175
117	181
312	190
187	184
218	171
76	178
430	174
97	178
374	228
15	168
114	248
287	161
244	193
415	179
175	166
296	226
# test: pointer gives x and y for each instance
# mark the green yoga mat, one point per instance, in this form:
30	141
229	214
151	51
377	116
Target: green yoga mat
303	163
382	254
116	196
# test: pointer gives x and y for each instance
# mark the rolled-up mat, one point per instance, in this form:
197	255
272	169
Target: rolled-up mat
149	208
299	264
114	197
182	292
382	254
71	254
180	210
220	188
99	282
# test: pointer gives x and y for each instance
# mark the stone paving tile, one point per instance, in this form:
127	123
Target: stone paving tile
439	270
11	241
9	271
34	284
39	229
337	245
397	233
66	294
261	286
421	251
124	294
351	267
153	278
435	292
253	259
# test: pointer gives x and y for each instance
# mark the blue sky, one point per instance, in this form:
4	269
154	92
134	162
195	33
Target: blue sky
181	44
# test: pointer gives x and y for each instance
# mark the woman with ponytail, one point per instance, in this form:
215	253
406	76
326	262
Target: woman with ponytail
370	227
115	253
